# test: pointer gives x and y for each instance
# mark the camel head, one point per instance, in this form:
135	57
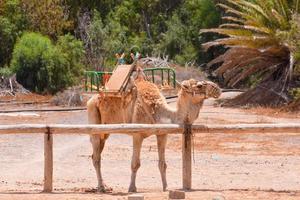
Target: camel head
210	89
200	90
191	98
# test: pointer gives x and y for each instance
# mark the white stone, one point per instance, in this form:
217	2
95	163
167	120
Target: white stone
136	197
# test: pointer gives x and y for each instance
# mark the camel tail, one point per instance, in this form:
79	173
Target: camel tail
94	116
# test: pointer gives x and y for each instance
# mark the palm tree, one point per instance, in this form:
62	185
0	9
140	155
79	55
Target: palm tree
263	40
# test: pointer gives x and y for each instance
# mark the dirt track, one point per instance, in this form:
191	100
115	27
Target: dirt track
251	166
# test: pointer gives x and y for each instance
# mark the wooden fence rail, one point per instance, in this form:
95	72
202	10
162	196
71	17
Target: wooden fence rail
131	129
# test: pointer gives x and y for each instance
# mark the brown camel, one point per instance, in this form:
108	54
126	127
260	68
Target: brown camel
143	103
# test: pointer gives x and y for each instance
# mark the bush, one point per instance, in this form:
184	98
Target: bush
5	72
12	22
44	67
295	92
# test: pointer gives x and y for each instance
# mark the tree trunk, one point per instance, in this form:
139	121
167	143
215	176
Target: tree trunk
272	92
147	24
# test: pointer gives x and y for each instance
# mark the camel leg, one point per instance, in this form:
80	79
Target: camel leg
97	141
98	145
161	145
135	162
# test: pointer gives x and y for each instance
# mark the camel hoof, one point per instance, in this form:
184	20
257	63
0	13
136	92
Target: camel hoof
104	189
165	187
132	189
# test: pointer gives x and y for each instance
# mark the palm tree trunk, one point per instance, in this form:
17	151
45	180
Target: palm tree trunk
271	92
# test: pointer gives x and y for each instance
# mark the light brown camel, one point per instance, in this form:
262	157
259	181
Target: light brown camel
143	103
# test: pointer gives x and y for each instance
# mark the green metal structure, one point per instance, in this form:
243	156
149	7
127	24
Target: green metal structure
170	77
96	79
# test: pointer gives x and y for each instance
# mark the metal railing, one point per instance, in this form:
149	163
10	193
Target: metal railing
94	80
170	75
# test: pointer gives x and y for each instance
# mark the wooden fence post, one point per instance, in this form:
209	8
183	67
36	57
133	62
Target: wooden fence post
187	157
48	163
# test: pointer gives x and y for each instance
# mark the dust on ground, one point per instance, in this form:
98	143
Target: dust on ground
228	166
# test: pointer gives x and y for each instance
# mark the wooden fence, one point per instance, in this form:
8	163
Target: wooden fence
131	129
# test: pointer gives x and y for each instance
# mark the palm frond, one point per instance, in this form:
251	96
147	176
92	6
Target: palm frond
255	29
250	42
228	32
233	19
261	35
250	7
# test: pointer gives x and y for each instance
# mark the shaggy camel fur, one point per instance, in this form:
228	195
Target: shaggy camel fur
144	103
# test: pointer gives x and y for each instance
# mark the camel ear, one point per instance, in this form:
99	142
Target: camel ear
185	85
200	84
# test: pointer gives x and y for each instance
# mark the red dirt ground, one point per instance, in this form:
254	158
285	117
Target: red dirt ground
226	166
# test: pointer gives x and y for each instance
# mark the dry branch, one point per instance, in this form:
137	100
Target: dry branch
155	62
10	86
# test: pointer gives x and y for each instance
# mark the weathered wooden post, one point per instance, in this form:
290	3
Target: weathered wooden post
48	164
187	157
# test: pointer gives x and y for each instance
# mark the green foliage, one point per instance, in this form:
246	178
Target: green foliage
75	7
263	44
12	23
151	26
103	44
181	41
47	17
72	50
43	67
154	27
266	35
295	93
6	72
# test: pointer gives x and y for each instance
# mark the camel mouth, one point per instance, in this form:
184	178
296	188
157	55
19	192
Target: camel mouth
216	96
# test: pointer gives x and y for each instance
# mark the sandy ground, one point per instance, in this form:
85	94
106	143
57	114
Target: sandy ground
226	166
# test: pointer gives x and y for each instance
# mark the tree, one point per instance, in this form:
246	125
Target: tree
43	67
260	35
181	41
12	23
47	17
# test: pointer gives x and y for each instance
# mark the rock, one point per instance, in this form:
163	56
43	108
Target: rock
69	97
176	194
218	198
136	197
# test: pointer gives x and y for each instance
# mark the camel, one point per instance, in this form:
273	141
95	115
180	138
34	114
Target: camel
143	103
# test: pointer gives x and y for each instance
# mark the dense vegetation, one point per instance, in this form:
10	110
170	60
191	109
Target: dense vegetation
42	66
105	27
49	43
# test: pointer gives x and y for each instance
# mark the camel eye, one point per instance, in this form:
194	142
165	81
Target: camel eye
185	87
200	86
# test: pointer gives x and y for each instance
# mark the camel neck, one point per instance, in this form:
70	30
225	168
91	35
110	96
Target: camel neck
185	111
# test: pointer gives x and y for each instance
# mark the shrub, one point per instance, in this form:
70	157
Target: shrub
42	66
12	23
295	92
73	52
6	72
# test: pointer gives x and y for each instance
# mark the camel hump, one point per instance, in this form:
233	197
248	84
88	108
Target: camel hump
148	91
